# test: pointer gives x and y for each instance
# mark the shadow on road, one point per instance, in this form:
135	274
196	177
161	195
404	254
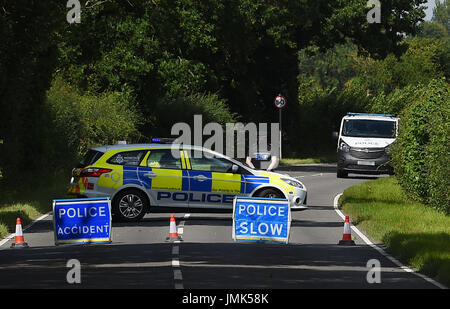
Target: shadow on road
203	265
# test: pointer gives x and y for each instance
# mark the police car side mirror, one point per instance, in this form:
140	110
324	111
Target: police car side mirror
234	168
334	135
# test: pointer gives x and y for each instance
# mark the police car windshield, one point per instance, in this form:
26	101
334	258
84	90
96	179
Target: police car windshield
368	128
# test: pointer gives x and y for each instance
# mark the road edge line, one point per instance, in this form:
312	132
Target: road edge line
381	251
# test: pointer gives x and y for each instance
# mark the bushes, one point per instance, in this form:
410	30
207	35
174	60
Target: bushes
182	108
421	155
80	121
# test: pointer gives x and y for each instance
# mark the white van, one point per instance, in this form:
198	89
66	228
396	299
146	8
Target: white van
364	142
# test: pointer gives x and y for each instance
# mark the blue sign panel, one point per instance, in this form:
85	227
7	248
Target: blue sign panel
261	219
82	221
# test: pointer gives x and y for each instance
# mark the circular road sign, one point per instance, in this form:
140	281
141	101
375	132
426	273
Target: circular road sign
280	101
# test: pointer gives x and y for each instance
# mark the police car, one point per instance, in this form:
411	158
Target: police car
139	176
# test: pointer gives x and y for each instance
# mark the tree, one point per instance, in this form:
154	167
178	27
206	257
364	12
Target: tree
28	55
441	13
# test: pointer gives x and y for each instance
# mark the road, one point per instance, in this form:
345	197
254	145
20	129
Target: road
207	258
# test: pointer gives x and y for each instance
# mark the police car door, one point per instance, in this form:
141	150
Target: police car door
168	181
211	181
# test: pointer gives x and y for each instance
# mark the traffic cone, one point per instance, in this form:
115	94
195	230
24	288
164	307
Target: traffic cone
173	234
347	237
19	241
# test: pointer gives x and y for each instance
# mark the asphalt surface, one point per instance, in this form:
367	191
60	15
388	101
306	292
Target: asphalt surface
208	258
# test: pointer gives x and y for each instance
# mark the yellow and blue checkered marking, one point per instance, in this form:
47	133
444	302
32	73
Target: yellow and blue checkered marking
184	180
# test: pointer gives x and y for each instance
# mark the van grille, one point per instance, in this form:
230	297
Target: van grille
367	153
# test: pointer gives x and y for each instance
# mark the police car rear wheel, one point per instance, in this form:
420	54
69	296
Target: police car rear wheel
130	205
270	193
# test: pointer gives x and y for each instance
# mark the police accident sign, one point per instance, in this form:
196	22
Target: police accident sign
82	221
261	219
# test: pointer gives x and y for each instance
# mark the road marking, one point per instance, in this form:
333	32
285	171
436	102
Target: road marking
177	275
175	250
313	175
381	251
175	262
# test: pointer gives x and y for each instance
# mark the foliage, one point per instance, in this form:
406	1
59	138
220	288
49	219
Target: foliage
238	52
28	55
84	120
441	13
182	108
243	51
423	146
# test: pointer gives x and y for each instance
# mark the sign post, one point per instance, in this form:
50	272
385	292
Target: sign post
280	102
261	219
82	221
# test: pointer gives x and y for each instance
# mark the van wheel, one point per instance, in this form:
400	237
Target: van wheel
270	193
130	205
341	174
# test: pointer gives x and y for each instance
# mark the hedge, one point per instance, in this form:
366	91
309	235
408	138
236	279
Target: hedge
421	154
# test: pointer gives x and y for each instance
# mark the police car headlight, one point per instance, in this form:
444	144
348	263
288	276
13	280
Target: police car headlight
293	183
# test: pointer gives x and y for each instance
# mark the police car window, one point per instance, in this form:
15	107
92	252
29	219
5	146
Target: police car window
90	158
131	158
163	158
201	162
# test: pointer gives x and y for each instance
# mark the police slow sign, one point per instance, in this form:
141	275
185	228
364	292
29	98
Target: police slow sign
82	221
261	219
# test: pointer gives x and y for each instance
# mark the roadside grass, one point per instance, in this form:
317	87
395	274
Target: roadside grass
415	234
28	201
327	158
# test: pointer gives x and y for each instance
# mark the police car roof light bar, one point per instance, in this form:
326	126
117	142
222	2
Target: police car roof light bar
369	114
163	140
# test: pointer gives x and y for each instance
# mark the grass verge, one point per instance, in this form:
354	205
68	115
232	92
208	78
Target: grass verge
415	234
28	202
328	158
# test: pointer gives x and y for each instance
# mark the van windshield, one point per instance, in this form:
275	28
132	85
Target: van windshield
368	128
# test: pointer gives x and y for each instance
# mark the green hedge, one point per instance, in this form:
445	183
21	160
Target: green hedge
80	121
421	155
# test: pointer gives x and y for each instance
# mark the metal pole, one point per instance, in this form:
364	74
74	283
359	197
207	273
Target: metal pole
280	129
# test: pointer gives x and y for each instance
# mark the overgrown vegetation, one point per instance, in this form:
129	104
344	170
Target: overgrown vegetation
421	155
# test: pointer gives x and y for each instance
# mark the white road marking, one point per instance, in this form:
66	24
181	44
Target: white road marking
381	251
313	175
177	275
175	250
175	262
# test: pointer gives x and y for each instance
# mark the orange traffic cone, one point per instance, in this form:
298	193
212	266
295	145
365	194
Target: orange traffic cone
347	237
173	234
19	241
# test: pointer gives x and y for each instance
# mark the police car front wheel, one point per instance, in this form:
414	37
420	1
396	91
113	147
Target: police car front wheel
270	193
130	205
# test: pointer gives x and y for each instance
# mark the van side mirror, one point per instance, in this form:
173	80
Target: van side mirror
334	135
